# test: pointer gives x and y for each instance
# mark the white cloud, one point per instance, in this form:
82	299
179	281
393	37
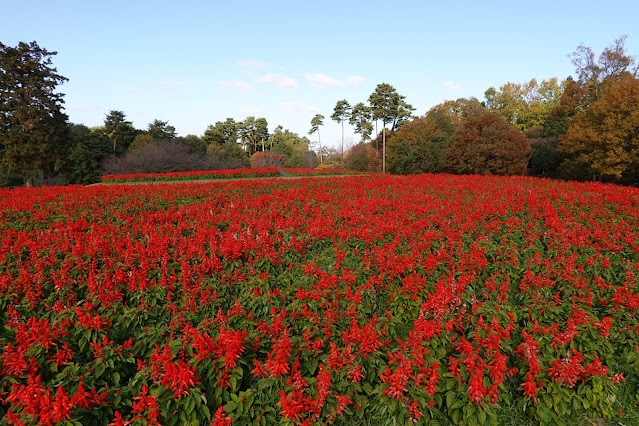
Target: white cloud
323	80
132	90
296	107
235	84
320	79
279	80
250	111
253	63
452	85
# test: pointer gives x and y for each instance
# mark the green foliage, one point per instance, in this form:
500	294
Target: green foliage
119	130
221	132
360	119
525	105
33	128
253	134
419	146
161	130
89	149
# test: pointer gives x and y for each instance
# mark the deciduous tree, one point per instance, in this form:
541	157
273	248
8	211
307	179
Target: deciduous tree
34	133
419	145
602	142
486	143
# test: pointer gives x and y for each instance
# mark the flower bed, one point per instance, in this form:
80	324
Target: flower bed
359	300
321	172
200	175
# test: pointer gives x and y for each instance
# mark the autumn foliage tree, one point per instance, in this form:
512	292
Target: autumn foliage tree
486	143
602	142
418	147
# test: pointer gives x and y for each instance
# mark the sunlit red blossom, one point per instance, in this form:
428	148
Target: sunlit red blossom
293	406
220	418
414	412
530	387
567	370
277	362
145	408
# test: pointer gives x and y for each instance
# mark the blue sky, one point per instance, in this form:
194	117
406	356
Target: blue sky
197	62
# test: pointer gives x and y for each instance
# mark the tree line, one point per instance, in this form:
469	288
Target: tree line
585	128
36	138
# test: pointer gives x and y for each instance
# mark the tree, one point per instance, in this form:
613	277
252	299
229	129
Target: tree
119	130
34	132
458	109
419	146
362	157
598	76
161	130
602	142
487	144
360	118
89	149
221	132
389	106
316	122
341	113
252	132
525	105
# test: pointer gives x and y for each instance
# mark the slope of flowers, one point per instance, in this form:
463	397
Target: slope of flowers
200	175
320	172
457	299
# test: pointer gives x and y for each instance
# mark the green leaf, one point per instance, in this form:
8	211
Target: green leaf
544	414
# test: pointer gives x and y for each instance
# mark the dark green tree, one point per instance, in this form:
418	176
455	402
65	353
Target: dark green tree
89	149
221	133
253	133
34	132
316	122
361	119
341	113
161	130
119	130
389	106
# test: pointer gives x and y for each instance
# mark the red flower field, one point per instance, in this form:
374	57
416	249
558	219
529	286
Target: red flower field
350	300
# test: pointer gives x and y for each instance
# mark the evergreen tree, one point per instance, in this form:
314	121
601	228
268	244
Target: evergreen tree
34	132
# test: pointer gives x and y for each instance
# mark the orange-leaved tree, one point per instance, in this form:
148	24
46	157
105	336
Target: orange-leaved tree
602	142
486	143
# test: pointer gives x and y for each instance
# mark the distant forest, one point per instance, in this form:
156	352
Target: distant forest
584	127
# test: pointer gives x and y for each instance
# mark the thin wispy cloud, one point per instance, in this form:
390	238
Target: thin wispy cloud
132	90
323	80
235	84
279	80
254	63
452	85
296	107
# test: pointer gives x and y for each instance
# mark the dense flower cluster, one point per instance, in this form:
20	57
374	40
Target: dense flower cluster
318	300
199	175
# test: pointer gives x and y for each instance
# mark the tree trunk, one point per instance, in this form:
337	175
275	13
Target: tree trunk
384	148
319	138
342	141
